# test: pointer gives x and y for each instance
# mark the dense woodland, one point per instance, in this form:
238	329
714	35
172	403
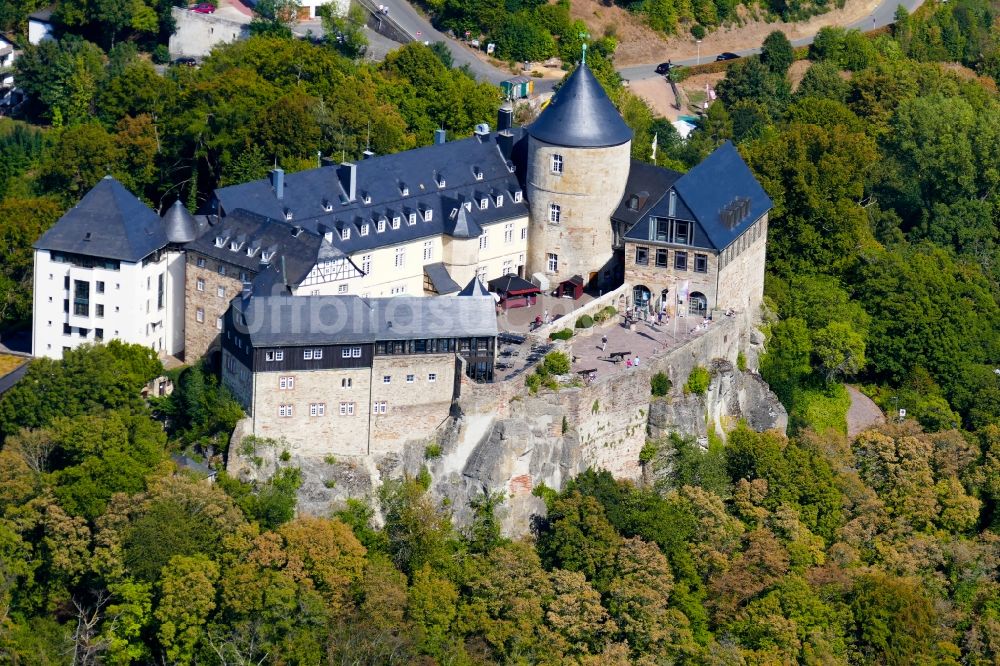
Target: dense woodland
882	270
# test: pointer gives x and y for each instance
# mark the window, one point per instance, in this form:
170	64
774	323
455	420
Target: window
201	262
284	411
341	288
508	232
428	215
524	233
552	262
555	213
279	355
312	354
410	379
100	310
366	264
199	315
517	196
161	291
682	232
432	377
557	164
81	298
680	261
483	203
499	200
508	267
481	274
364	229
484	241
222	269
220	292
350	352
400	257
67	329
66	283
317	409
642	256
379	407
380	226
661	258
346	382
701	263
201	285
411	218
347	409
286	383
428	250
345	233
100	287
387	379
395	223
218	323
98	333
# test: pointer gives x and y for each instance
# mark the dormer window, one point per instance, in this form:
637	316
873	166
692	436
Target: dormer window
380	227
220	241
345	233
428	215
499	200
266	256
468	206
327	206
404	190
368	198
441	181
510	166
288	214
252	250
483	203
478	173
453	214
234	246
395	222
412	218
633	202
364	229
517	196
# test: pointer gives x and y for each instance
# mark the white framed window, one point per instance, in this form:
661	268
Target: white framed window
364	229
386	379
557	164
199	315
317	354
201	262
517	196
201	285
380	226
379	407
428	250
508	267
432	377
347	409
345	233
307	354
395	223
484	203
350	352
286	383
481	273
279	355
524	233
484	241
317	409
555	213
428	215
284	411
341	288
508	232
552	262
218	323
269	356
346	382
220	292
411	218
366	264
499	200
410	379
468	206
355	352
400	257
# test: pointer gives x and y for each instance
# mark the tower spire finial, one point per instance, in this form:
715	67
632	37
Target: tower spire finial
583	37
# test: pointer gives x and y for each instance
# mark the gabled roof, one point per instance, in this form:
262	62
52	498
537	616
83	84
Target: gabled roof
44	14
472	169
475	288
647	184
511	283
440	278
581	115
275	321
702	196
108	222
179	224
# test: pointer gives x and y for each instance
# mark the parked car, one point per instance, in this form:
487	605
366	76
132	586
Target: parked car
727	56
186	61
203	8
664	67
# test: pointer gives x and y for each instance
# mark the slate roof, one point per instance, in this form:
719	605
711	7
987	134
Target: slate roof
382	180
648	183
107	222
296	251
180	225
44	14
441	279
511	283
581	115
475	288
703	193
278	321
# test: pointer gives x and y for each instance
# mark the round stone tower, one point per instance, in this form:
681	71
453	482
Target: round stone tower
578	164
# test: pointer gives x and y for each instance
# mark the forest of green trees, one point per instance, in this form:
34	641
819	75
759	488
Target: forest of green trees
766	549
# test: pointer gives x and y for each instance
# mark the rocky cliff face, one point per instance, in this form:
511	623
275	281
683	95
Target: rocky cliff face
503	439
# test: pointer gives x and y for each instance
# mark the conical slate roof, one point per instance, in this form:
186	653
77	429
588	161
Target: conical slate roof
179	224
581	115
475	288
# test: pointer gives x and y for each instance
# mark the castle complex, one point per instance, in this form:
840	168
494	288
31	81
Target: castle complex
329	298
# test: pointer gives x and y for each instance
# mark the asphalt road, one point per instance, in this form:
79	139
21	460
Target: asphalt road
417	25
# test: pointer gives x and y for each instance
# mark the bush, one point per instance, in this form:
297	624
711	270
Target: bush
820	409
660	384
161	55
585	321
605	314
698	381
741	362
285	456
564	334
432	451
533	382
565	425
698	30
648	453
556	363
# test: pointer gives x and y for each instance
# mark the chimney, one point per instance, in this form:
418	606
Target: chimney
482	131
505	140
367	154
440	136
505	117
278	182
347	173
672	208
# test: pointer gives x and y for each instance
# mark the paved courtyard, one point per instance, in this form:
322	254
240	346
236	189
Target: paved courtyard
519	320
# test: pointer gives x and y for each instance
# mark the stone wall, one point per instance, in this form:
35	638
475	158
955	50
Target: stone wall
201	337
617	298
196	34
741	281
413	409
657	278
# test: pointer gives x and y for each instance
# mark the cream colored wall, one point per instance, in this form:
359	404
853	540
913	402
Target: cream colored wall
413	410
741	280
